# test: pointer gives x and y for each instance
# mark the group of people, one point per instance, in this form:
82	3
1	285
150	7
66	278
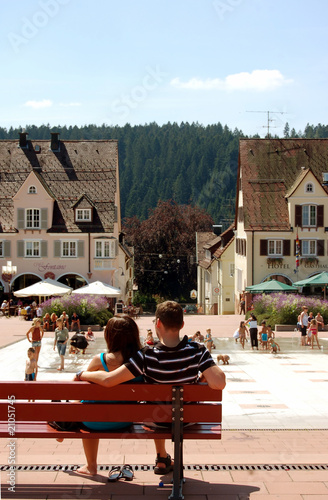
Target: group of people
78	342
126	360
207	339
264	337
309	327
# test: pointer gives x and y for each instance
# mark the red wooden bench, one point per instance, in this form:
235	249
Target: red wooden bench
161	403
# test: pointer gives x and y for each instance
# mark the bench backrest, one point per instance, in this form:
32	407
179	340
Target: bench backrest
160	402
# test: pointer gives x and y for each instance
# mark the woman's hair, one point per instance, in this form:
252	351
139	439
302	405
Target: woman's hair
122	335
241	324
313	321
35	321
253	317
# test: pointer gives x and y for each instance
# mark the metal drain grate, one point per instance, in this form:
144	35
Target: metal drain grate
197	467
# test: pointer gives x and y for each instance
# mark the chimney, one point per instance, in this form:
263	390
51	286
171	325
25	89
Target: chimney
23	140
217	229
55	143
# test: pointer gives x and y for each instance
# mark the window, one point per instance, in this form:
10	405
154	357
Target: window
105	249
32	190
275	247
83	214
69	249
309	188
309	215
32	248
33	218
309	247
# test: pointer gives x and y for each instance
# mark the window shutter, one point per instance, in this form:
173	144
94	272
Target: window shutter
320	248
320	216
6	248
44	248
286	247
298	215
80	248
20	248
57	248
20	218
44	218
263	247
116	248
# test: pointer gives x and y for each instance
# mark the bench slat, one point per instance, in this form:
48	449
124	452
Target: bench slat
85	390
116	412
135	431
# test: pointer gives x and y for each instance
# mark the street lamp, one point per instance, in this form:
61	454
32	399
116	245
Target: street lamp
8	272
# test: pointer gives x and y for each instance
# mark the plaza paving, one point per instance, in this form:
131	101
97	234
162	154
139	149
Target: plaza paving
275	427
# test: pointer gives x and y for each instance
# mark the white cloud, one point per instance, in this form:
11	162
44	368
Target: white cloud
259	79
69	104
46	103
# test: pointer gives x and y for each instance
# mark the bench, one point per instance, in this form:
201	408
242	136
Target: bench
161	403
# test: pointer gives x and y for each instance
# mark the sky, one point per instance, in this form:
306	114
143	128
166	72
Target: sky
77	62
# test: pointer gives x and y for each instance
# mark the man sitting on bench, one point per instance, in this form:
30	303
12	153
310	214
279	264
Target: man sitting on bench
169	361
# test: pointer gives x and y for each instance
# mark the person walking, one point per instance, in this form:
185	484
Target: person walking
34	335
252	323
61	339
304	322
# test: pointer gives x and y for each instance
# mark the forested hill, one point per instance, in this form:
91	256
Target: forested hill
187	163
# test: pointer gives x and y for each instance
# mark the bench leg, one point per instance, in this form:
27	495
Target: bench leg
177	438
178	478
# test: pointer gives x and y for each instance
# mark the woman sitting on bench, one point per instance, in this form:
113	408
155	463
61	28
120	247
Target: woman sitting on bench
122	339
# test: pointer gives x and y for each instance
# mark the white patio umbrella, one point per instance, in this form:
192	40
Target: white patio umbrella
98	288
45	288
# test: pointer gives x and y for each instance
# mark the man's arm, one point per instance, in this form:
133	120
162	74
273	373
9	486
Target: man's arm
108	379
215	377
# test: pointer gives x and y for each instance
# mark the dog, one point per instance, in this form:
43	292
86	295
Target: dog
224	358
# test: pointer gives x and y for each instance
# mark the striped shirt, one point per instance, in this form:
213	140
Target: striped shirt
169	365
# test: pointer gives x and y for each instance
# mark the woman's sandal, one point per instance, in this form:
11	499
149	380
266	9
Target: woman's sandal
117	472
168	464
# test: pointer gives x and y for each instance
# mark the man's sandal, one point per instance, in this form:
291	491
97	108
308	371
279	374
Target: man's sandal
168	464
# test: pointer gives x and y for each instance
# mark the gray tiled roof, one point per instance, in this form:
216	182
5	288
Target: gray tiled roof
81	170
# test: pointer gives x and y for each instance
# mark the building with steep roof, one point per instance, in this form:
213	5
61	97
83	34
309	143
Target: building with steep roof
215	272
60	213
282	190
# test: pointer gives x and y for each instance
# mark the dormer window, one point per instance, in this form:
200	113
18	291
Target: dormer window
32	190
309	216
83	215
309	187
32	218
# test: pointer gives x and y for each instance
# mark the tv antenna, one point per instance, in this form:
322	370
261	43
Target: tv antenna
267	126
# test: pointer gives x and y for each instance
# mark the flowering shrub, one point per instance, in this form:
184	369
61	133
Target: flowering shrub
284	308
91	309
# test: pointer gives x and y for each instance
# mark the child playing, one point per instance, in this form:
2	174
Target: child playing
149	339
35	335
31	368
264	336
209	341
270	333
274	347
89	335
313	332
243	331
